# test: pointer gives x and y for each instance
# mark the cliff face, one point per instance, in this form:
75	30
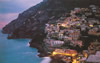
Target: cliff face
33	20
31	23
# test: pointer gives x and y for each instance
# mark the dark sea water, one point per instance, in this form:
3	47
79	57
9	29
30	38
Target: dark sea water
17	51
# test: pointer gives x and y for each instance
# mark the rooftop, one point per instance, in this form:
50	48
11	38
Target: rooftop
94	58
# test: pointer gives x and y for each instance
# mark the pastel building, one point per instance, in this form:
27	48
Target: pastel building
54	43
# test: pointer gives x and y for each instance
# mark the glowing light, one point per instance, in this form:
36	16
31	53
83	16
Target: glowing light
78	24
86	55
74	61
68	53
54	53
52	25
64	25
91	25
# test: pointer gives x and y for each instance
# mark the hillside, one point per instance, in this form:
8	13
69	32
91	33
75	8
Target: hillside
31	23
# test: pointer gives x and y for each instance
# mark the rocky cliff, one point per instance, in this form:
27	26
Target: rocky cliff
31	23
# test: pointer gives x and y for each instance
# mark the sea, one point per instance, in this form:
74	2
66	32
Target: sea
18	51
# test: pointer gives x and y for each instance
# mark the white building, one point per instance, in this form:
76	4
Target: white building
94	58
54	43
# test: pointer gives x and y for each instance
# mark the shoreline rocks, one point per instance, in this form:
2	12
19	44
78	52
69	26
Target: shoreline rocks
31	23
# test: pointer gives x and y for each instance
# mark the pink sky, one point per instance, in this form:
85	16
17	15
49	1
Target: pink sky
2	24
6	18
11	8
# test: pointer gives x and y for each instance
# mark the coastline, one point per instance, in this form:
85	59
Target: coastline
46	60
18	50
34	25
42	53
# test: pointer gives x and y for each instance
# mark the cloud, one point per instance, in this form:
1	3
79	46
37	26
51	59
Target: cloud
28	3
6	18
9	9
4	0
17	5
2	24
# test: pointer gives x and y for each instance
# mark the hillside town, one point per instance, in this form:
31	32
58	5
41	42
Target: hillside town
65	36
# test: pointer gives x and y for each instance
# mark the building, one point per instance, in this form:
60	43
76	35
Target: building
75	35
54	43
94	58
77	42
65	52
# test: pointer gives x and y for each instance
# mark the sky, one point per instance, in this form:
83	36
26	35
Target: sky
9	9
